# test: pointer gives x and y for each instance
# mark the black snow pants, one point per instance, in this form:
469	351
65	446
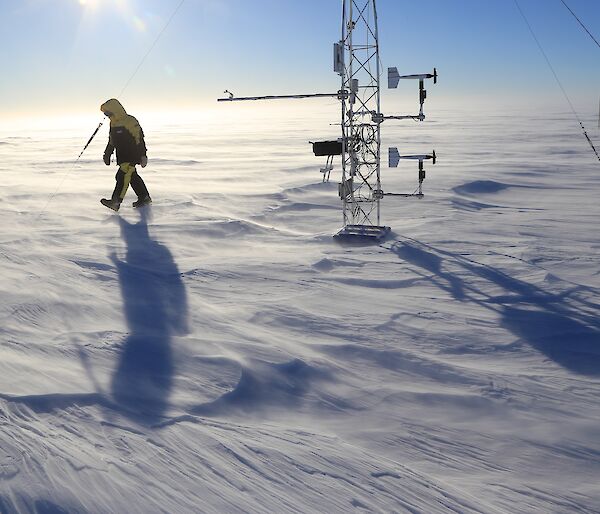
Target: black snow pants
126	175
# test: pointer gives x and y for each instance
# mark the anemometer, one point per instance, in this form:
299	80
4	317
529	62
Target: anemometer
356	61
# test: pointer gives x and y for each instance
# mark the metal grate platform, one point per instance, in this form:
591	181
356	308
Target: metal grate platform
373	232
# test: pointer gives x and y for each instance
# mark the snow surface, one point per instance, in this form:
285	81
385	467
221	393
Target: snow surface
220	352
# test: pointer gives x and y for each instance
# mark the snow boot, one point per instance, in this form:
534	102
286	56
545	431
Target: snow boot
111	204
140	202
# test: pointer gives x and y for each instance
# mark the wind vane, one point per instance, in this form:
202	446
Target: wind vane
356	60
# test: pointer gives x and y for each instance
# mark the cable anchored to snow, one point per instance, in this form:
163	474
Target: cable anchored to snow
598	45
557	79
70	169
122	91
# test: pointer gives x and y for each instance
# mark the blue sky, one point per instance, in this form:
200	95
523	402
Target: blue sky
67	56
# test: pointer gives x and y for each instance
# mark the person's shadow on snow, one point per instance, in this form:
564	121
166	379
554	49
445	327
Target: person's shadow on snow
155	308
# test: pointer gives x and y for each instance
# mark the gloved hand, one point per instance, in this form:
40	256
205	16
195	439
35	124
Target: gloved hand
144	161
107	159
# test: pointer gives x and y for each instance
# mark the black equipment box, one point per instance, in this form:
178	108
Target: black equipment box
321	148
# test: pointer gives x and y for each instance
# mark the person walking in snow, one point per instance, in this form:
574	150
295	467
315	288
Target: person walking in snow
127	137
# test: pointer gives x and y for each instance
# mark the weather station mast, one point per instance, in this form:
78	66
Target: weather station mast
356	60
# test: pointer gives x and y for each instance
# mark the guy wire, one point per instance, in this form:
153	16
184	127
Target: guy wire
121	93
557	80
69	171
151	47
580	23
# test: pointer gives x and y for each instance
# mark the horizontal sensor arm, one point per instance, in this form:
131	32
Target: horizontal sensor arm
232	98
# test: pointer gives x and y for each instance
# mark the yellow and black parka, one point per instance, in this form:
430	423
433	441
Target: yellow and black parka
126	135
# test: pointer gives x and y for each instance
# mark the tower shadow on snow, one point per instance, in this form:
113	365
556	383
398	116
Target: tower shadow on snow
155	308
562	326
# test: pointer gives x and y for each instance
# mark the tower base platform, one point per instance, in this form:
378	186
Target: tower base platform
364	232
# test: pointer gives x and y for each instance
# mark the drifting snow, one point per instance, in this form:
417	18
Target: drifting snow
219	351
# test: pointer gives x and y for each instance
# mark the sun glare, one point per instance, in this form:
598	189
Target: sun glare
139	24
123	7
89	3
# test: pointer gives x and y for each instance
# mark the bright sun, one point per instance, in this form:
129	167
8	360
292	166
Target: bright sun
89	3
122	6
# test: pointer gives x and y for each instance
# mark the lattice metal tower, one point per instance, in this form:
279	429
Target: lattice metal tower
357	61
